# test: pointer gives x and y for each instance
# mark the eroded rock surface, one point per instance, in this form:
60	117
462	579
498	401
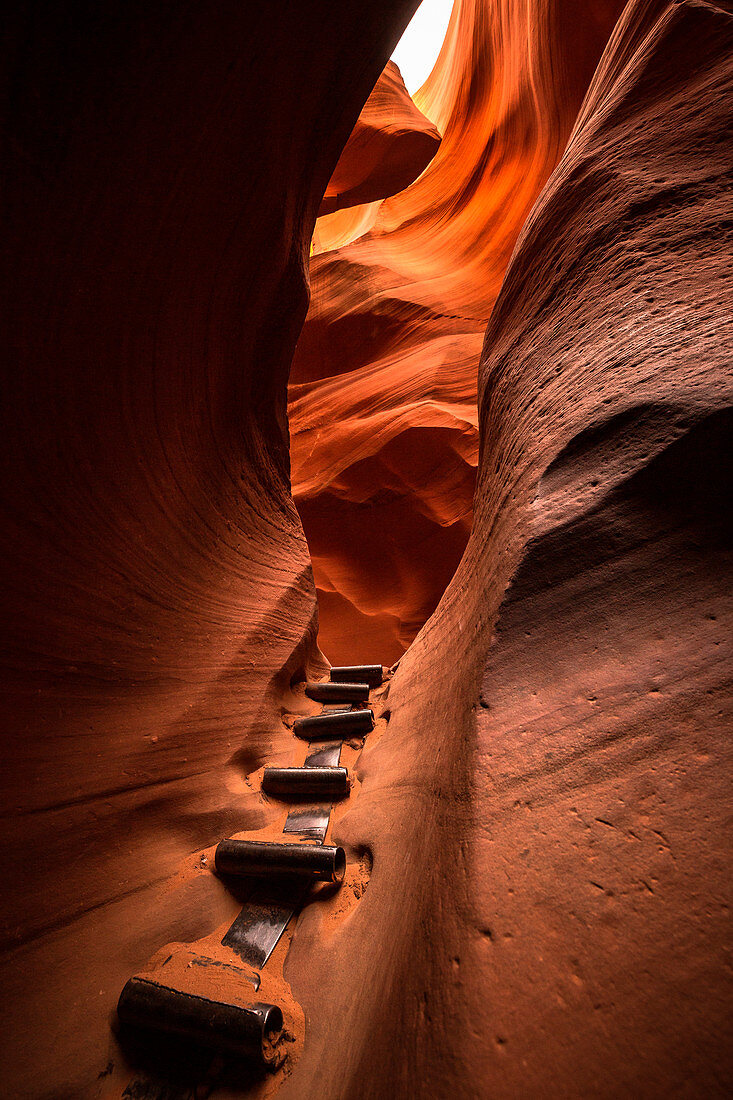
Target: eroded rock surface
163	170
384	436
548	911
535	902
391	144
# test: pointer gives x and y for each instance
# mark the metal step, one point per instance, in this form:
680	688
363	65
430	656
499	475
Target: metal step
303	782
335	723
265	859
251	1032
327	692
362	674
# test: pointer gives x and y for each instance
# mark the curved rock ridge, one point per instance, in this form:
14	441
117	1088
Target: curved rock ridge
163	172
391	144
384	442
548	910
538	869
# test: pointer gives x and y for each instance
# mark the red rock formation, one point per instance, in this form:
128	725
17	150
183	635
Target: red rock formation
548	909
391	144
166	167
542	816
384	438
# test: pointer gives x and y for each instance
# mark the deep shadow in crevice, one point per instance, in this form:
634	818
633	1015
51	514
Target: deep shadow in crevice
684	489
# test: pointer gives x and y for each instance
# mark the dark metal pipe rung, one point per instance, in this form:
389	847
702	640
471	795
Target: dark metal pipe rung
362	674
251	1031
337	692
263	858
335	723
303	782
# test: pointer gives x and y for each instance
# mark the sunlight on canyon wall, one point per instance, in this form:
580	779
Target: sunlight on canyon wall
384	440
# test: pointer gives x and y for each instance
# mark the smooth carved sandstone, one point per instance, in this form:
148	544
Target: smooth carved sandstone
384	432
550	894
391	144
164	168
535	900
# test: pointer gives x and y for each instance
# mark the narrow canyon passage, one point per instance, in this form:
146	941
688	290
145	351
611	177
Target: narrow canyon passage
384	428
479	340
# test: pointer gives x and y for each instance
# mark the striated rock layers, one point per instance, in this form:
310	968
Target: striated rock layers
537	859
384	436
164	166
391	144
548	912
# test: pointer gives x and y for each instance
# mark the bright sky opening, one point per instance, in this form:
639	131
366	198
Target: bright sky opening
418	49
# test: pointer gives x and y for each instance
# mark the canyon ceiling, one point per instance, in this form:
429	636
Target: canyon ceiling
454	374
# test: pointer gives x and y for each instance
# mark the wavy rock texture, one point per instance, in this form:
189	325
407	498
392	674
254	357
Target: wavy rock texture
391	144
543	813
384	436
156	585
548	911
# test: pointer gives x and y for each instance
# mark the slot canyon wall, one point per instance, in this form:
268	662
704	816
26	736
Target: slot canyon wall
163	170
384	431
548	811
544	813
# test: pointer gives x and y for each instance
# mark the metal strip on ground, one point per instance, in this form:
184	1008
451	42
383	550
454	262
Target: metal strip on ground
255	933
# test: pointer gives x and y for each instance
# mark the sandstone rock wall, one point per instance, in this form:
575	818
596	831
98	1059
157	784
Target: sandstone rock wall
541	822
164	165
390	146
548	908
384	436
